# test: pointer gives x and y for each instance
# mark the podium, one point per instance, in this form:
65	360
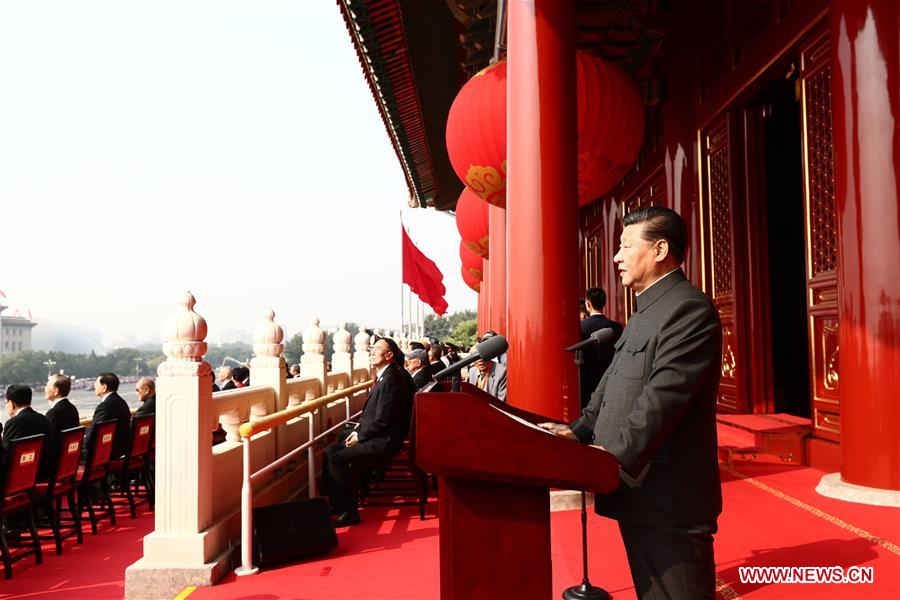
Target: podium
494	473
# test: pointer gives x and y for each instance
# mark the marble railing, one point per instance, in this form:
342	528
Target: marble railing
198	486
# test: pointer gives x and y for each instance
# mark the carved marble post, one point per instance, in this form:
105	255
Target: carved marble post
179	552
361	356
312	363
267	367
341	359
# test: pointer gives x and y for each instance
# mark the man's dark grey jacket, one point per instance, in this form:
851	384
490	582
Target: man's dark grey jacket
656	404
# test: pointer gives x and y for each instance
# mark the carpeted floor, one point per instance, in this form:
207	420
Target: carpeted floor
772	517
94	570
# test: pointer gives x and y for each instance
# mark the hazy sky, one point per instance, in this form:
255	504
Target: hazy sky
231	148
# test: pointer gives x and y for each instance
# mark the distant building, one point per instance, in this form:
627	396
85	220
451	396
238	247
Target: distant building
15	333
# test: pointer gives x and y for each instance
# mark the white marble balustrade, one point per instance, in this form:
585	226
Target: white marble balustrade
199	485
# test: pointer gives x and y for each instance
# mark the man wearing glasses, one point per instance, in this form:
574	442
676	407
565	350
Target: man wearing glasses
383	426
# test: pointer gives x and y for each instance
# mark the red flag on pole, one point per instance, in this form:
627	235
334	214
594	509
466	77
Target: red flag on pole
422	276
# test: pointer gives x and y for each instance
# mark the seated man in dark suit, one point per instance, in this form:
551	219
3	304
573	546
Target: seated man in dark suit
24	421
436	365
226	376
62	415
111	407
596	358
383	426
418	367
146	393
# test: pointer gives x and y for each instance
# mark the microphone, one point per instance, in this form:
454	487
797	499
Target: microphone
489	349
601	336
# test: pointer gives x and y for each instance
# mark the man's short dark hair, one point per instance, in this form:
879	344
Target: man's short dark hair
597	297
434	354
416	346
19	395
394	349
62	384
240	373
660	223
110	380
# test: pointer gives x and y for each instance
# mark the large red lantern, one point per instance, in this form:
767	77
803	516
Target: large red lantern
610	126
472	218
476	134
470	281
610	129
471	262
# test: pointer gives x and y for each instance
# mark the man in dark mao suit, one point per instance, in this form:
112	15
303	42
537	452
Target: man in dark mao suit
24	421
654	410
383	426
111	407
62	415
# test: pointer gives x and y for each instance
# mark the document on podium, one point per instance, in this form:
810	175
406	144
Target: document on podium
521	420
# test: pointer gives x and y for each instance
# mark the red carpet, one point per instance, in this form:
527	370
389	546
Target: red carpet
775	519
94	570
779	521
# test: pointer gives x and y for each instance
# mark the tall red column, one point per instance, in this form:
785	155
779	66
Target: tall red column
480	312
496	269
542	207
866	110
484	307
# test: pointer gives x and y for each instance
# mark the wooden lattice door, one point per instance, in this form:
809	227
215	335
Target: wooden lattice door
821	235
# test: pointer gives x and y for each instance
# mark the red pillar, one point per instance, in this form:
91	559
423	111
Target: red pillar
542	207
496	269
866	109
480	312
484	309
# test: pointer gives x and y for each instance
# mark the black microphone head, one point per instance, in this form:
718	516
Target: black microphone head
492	347
604	335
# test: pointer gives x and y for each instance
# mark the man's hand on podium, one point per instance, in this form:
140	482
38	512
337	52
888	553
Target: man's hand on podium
559	429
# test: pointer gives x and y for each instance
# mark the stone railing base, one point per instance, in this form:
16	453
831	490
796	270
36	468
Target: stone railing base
145	582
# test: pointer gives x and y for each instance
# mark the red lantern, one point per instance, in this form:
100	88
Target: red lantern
472	216
610	126
476	134
470	281
471	262
610	129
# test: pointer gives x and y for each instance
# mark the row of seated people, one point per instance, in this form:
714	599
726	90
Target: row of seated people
47	459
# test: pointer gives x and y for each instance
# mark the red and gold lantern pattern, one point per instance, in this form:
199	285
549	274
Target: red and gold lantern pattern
472	221
610	129
470	281
471	262
610	126
476	134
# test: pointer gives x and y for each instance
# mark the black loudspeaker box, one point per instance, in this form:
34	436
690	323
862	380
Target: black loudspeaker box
292	531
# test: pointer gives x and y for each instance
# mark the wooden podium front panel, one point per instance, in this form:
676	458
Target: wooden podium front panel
495	540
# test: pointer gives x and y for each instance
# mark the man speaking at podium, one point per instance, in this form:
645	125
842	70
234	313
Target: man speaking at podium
654	410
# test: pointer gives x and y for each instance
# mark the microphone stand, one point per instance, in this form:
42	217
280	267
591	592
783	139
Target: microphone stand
585	591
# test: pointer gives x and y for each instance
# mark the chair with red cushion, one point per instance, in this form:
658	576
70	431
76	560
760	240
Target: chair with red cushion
93	473
62	483
17	479
135	464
